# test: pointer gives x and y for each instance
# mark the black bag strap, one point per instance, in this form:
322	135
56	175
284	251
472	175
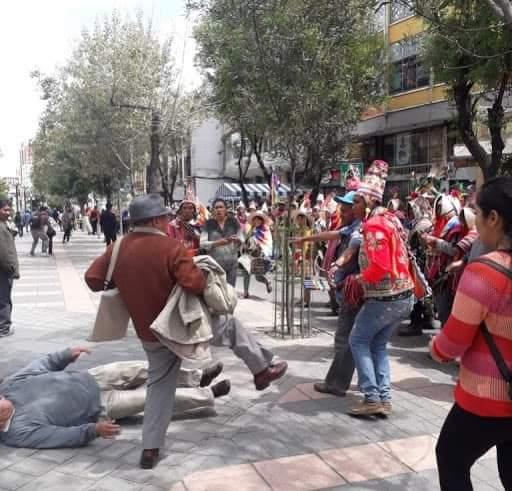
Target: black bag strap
495	352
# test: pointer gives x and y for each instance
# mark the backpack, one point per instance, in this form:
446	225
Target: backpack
35	222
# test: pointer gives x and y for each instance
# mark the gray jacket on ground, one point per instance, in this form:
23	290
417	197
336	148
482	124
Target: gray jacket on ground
8	256
52	408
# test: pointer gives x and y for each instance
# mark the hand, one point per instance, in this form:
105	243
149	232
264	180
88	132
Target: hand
433	353
455	266
235	239
223	242
107	429
430	240
76	352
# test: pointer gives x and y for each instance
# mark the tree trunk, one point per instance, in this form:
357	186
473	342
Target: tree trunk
496	115
465	119
164	174
257	146
154	183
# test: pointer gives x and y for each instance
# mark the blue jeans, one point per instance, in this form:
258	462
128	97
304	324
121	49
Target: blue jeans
372	329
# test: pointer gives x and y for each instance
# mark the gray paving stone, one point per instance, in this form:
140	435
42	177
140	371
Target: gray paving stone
77	464
59	456
114	484
11	480
133	473
99	469
32	466
117	449
9	455
152	487
55	481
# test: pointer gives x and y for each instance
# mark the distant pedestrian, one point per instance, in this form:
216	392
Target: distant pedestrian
94	217
18	221
27	217
68	223
38	228
9	268
108	222
51	233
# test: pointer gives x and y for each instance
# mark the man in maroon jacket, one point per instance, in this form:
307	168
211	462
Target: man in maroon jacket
148	267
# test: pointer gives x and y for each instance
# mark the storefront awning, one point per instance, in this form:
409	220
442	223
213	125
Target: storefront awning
460	151
233	191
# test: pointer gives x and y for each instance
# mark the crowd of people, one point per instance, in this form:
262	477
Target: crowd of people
441	261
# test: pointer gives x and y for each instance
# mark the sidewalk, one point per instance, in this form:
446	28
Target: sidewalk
285	438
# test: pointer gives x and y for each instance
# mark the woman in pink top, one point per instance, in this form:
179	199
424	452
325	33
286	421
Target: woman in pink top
481	417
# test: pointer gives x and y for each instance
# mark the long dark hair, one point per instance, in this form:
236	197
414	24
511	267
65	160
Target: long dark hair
496	194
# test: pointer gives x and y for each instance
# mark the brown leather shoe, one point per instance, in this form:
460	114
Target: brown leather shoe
263	379
149	458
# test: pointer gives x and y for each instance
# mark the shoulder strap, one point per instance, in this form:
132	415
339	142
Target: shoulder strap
113	261
494	265
489	340
495	352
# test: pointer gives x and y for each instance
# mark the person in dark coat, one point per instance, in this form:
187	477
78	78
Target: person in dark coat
108	222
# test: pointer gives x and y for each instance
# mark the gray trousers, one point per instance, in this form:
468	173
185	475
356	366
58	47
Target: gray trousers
229	331
37	234
163	370
124	393
231	274
342	367
5	302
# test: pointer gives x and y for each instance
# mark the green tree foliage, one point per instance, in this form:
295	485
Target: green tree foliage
300	71
95	133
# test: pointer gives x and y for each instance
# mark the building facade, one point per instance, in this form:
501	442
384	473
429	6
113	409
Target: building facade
214	152
413	130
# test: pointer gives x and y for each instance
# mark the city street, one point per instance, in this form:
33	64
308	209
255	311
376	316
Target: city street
285	438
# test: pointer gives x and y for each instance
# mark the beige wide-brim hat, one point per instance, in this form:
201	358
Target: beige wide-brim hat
259	214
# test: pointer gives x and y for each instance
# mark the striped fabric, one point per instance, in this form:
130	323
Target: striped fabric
484	294
231	190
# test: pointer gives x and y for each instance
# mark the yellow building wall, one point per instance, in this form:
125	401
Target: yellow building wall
418	97
406	28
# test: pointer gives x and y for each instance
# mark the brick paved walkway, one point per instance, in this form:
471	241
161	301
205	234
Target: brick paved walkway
286	438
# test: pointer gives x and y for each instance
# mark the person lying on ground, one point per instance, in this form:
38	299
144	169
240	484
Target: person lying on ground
45	406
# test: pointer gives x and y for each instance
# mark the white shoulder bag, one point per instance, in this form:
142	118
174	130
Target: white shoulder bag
113	317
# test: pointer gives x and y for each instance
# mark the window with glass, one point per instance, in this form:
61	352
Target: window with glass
407	71
400	10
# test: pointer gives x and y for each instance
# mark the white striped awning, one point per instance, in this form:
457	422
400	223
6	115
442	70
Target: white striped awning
231	190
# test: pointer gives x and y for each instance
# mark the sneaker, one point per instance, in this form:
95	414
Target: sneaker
6	332
367	408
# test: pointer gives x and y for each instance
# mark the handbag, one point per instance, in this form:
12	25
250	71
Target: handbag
50	231
112	317
258	265
489	340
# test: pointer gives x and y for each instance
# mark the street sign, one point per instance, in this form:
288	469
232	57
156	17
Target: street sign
350	170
